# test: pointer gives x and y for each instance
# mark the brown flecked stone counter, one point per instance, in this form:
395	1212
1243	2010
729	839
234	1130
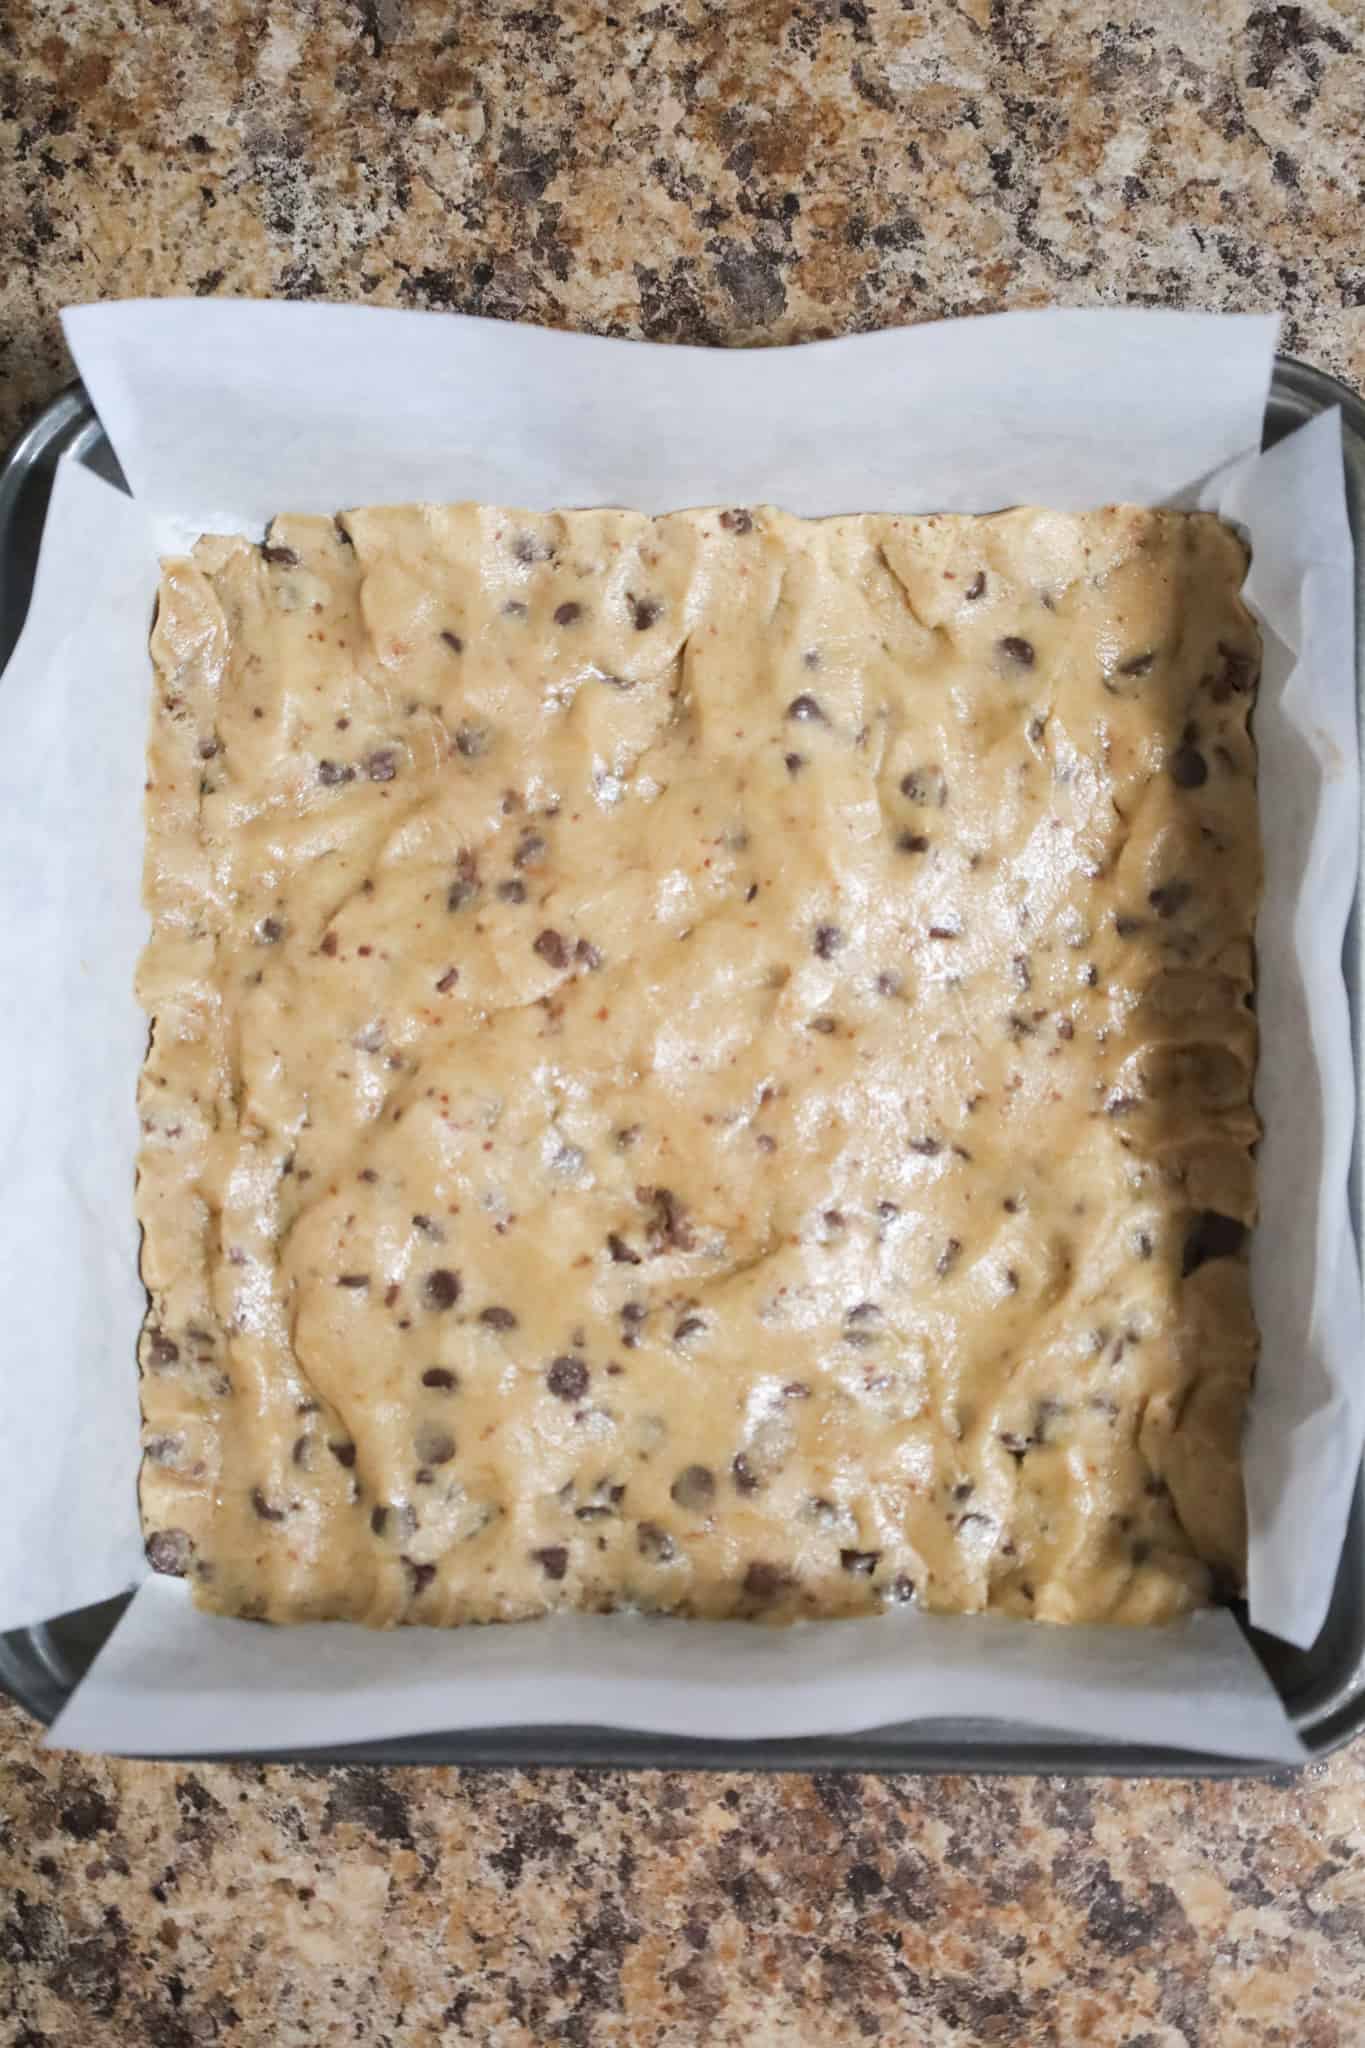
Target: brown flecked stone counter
689	172
163	1906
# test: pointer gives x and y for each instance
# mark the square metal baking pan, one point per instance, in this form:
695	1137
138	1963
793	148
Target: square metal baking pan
1323	1687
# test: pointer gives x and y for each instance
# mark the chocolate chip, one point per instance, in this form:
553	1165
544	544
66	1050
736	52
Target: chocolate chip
1169	898
805	707
553	1560
737	520
453	641
422	1575
796	1390
644	612
694	1488
655	1543
764	1581
1236	673
208	748
264	1508
511	892
530	847
465	886
383	766
621	1253
332	772
605	1501
495	1318
977	587
434	1446
344	1453
526	548
163	1349
925	786
1065	1028
912	842
1211	1236
927	1147
170	1551
428	1227
302	1451
690	1326
948	1257
862	1324
945	931
827	941
447	981
1189	769
668	1230
353	1280
270	931
1017	650
440	1378
795	763
587	955
1137	664
441	1288
567	1378
742	1472
551	948
566	614
379	1519
825	1025
862	1562
471	740
1142	1244
283	558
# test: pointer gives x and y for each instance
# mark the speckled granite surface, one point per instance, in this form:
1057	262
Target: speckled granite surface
164	1906
689	171
757	173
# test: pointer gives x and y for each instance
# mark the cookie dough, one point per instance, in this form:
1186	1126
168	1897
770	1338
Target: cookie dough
700	1063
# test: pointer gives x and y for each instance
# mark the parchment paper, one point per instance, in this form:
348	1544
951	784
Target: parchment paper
223	414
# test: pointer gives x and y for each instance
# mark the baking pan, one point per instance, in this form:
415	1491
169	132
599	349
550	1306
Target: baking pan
1323	1688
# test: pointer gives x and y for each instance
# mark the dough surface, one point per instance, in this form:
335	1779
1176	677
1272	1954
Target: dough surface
700	1063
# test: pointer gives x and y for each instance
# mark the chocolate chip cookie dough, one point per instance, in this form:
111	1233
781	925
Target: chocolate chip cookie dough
700	1063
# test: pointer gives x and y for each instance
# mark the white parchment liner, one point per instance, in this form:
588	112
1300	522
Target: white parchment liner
223	414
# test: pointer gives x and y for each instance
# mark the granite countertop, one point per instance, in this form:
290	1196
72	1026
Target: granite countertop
690	172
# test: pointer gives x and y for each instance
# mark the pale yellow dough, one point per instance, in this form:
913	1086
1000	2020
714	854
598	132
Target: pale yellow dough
700	1063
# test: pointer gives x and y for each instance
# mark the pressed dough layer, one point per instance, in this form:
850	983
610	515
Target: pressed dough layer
701	1063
